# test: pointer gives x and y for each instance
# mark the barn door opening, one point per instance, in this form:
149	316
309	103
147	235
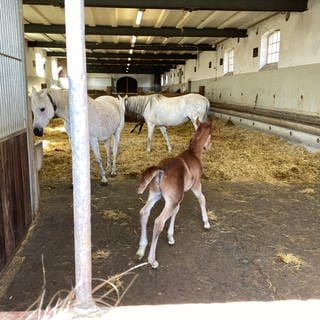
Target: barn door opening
127	85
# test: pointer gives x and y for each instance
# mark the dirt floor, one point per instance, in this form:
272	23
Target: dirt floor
263	245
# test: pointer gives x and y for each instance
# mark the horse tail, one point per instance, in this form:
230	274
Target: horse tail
147	176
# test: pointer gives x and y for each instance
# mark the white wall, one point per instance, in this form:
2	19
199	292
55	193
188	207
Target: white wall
98	81
293	85
33	79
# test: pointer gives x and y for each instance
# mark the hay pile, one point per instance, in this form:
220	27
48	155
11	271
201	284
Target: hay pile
236	155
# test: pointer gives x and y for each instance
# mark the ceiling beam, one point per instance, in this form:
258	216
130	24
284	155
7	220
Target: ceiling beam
122	69
126	46
141	31
133	61
142	56
233	5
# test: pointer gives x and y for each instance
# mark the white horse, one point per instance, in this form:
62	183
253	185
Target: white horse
105	119
162	111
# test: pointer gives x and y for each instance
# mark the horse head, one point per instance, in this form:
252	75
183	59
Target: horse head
43	109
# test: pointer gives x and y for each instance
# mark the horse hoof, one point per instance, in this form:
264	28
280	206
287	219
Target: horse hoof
103	183
113	174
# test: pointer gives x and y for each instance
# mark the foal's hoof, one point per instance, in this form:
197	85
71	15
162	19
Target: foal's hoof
139	254
206	225
138	257
113	174
171	241
154	264
103	183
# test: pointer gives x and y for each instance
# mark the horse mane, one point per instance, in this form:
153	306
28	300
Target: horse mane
139	103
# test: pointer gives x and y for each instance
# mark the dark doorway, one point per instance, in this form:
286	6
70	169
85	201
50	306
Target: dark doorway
127	84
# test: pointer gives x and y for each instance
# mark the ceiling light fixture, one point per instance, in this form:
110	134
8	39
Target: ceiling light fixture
131	51
139	17
133	39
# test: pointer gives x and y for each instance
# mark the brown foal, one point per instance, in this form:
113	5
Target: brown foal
170	179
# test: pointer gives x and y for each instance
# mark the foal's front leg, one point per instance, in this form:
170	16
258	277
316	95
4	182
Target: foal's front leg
171	240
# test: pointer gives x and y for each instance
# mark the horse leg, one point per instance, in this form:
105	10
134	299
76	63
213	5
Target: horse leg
194	122
196	189
137	124
116	138
170	235
159	223
141	125
150	133
153	198
107	147
95	148
165	136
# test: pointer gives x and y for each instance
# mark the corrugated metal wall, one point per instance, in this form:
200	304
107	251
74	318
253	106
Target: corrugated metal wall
12	79
15	177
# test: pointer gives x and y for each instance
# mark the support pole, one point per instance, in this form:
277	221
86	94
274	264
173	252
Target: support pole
78	101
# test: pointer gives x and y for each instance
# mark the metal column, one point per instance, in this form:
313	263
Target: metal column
74	19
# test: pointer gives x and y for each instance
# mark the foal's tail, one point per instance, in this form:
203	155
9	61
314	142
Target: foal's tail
147	176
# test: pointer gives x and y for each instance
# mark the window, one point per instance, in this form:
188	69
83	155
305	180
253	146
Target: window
229	61
270	49
273	47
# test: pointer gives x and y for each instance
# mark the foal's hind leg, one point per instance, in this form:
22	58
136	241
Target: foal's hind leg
95	148
196	189
166	138
159	223
153	198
